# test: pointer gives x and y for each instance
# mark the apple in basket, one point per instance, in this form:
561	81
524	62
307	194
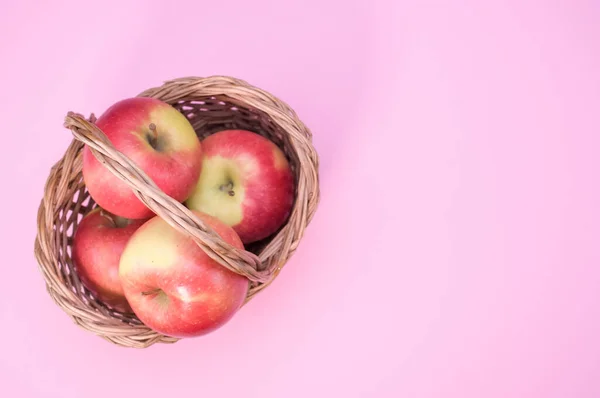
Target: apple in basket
159	140
173	286
98	243
246	182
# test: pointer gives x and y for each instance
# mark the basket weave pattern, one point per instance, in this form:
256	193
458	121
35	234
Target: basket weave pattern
211	104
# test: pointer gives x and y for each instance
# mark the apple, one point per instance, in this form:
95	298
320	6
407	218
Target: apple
97	245
173	286
158	139
246	182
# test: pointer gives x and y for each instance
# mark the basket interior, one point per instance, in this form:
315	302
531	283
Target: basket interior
207	115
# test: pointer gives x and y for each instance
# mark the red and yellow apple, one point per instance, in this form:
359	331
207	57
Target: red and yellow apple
173	286
97	246
246	182
156	137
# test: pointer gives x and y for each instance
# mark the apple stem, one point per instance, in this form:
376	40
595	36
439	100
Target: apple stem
228	187
150	292
108	216
153	133
116	221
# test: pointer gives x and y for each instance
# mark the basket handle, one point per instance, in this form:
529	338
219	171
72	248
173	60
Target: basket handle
174	213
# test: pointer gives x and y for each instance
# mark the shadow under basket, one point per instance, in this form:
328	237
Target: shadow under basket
211	104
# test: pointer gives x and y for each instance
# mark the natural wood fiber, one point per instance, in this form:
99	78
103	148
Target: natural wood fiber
211	104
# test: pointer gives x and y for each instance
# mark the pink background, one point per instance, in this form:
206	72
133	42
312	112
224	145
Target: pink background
455	252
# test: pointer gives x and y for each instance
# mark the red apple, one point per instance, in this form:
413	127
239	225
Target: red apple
159	139
246	182
173	286
97	246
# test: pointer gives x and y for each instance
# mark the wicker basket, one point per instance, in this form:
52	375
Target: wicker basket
211	104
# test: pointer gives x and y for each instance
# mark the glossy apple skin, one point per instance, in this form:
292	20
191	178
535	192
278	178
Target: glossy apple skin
98	243
174	165
173	286
246	182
